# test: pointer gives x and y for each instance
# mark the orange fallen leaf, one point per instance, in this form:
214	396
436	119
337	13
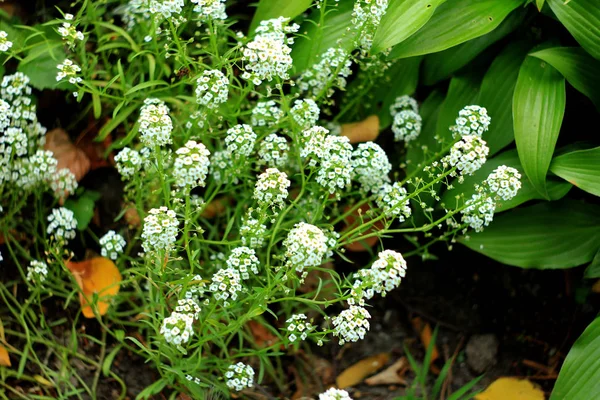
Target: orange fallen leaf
4	358
392	375
66	153
362	131
511	388
98	276
364	244
424	330
356	373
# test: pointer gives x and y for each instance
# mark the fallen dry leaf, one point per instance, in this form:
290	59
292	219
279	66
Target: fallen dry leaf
262	336
362	131
99	276
511	388
596	287
66	153
356	373
365	244
4	358
392	375
424	331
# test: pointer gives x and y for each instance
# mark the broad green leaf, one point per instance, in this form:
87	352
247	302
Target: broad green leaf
83	207
268	9
318	37
556	188
539	4
538	109
577	66
582	19
40	65
496	95
581	168
549	235
439	66
578	376
402	78
593	270
453	23
402	19
430	110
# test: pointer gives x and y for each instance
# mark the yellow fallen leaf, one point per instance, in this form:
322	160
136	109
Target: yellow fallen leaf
511	388
40	379
425	333
359	371
4	359
362	131
99	276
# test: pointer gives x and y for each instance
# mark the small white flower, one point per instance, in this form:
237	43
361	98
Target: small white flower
391	199
63	183
351	325
305	246
240	141
68	69
332	71
479	212
384	275
504	182
226	284
155	124
298	327
244	260
273	151
467	155
271	189
128	162
5	44
239	376
178	328
335	170
210	9
212	88
404	103
160	229
112	244
366	17
472	120
62	224
266	113
252	232
305	113
335	394
37	271
191	165
371	166
406	126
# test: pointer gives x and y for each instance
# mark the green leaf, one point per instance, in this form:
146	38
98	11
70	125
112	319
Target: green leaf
83	208
557	188
593	270
268	9
577	66
439	66
578	376
539	4
402	19
453	23
582	19
538	109
496	95
581	168
549	235
40	65
402	78
107	363
320	37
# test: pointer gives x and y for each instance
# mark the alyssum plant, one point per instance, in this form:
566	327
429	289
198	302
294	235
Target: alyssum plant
237	134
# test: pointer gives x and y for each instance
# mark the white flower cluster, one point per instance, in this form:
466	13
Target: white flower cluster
15	86
5	44
305	113
352	324
63	183
479	212
252	233
188	306
69	32
226	283
243	259
128	162
191	165
392	200
68	69
305	246
311	144
37	271
36	169
366	17
210	9
472	120
14	140
62	224
239	376
112	244
330	72
212	88
404	103
467	155
165	7
178	328
196	288
406	126
334	394
504	182
266	113
335	169
298	327
220	165
273	151
155	124
371	165
271	189
384	275
240	141
160	229
268	54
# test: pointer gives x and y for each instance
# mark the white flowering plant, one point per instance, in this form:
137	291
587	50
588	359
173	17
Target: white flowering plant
249	167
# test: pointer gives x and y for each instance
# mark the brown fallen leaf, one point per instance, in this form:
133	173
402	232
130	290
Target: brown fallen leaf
4	358
424	331
132	217
262	336
356	373
99	276
362	131
596	287
66	153
511	388
392	375
365	244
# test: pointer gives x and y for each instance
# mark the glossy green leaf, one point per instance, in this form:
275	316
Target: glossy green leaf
593	270
318	37
496	95
453	23
439	66
578	376
83	207
557	188
549	235
402	78
581	168
538	109
579	68
268	9
402	19
539	4
582	19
